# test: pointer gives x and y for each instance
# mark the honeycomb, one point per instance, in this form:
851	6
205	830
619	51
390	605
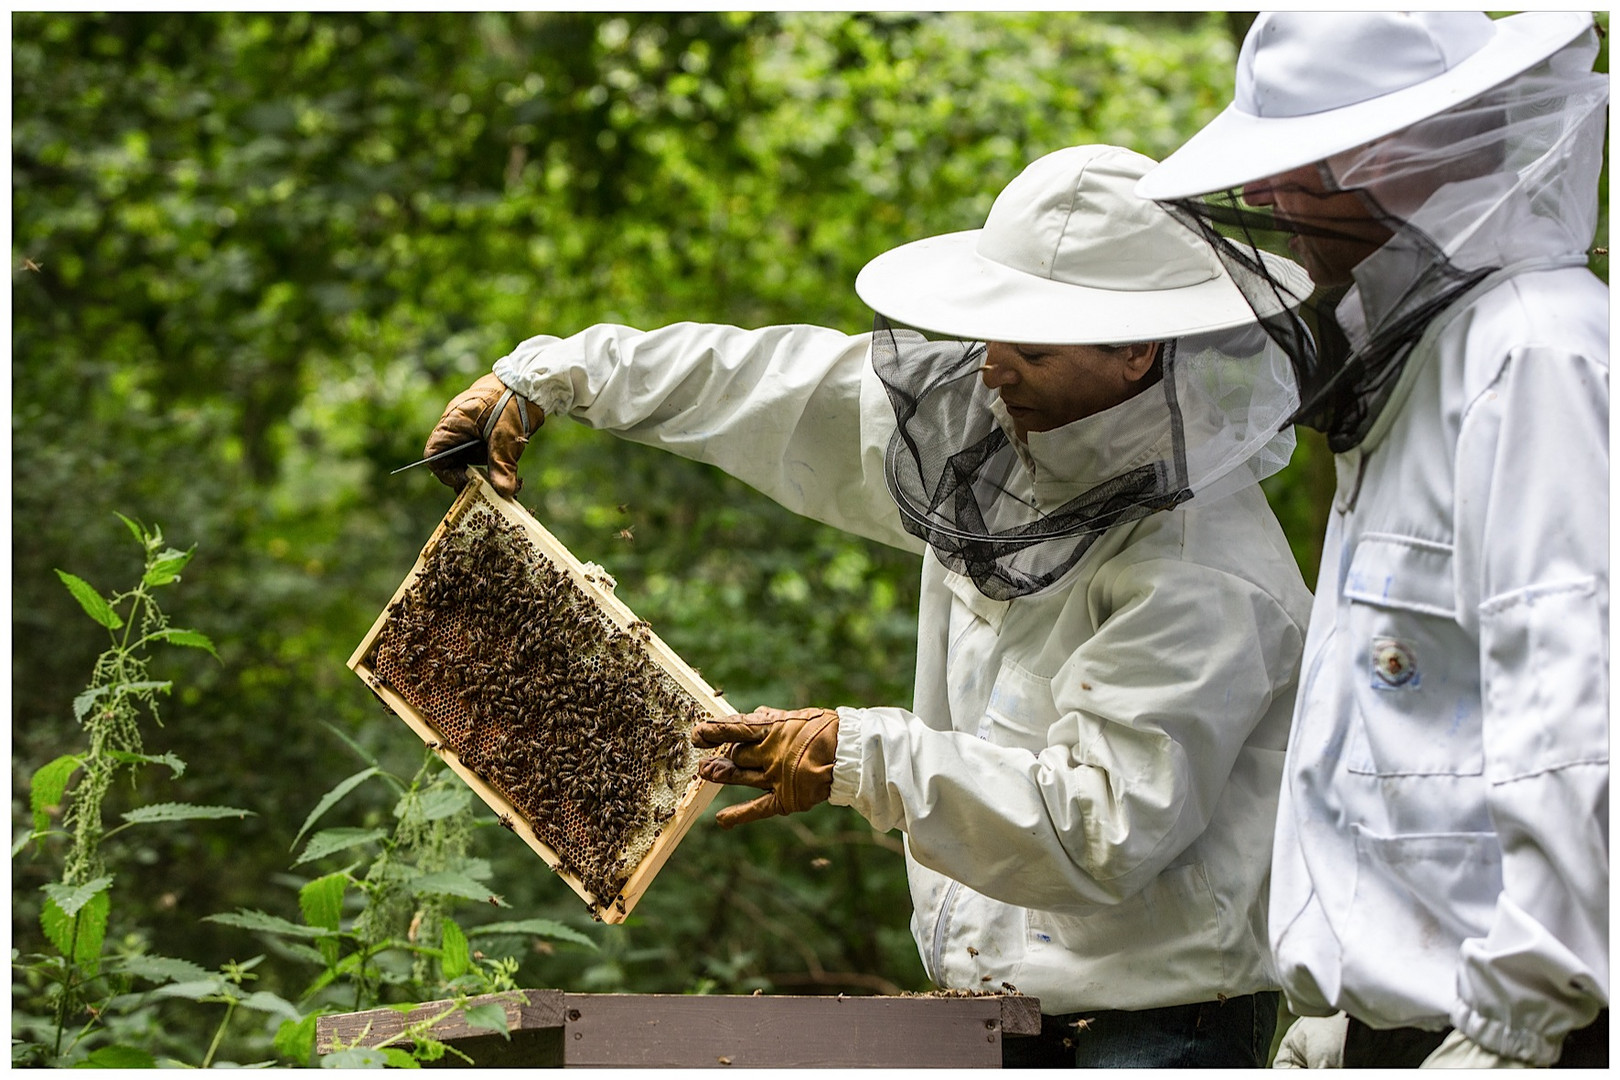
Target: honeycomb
525	678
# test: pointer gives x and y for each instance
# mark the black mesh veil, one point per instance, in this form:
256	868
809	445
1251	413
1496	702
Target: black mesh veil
1014	516
1395	232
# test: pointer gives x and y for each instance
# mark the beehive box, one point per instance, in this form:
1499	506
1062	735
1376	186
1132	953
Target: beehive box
538	687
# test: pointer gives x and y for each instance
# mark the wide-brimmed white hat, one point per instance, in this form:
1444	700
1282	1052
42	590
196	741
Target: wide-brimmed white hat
1311	84
1068	256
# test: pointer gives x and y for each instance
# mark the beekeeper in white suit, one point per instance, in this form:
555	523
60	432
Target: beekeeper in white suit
1441	868
1111	620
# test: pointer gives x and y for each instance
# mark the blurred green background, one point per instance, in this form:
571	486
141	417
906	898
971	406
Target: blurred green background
254	254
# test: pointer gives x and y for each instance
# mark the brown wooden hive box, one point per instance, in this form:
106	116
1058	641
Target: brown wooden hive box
565	713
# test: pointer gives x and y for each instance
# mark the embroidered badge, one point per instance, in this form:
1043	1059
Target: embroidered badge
1393	665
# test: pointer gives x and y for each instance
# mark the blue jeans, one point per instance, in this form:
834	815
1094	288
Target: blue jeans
1235	1033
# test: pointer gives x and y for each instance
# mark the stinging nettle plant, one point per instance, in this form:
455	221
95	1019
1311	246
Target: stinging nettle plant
79	986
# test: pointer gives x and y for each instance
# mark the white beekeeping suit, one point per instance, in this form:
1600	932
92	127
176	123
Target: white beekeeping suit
1442	847
1111	618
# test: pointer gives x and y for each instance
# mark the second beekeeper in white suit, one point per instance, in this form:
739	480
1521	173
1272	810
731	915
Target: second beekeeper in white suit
1111	619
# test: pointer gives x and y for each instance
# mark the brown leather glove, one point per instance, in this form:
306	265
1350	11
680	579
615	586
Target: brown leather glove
789	754
490	411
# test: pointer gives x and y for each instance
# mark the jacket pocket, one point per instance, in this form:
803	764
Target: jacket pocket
1546	678
1171	928
1021	710
1414	671
1416	899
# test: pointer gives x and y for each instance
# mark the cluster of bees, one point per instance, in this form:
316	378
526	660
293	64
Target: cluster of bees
539	694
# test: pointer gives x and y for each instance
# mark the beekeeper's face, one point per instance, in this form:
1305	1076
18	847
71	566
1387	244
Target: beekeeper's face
1332	230
1047	386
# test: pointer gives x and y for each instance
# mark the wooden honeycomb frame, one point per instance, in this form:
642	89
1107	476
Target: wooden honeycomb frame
597	587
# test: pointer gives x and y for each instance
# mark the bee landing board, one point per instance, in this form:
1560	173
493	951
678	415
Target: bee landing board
546	694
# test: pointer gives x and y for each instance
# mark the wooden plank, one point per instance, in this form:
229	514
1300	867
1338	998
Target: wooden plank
598	587
526	1011
699	1031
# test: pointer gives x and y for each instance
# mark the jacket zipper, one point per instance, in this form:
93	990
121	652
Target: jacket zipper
939	933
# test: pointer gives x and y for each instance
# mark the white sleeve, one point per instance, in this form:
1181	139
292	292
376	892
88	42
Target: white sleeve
1533	481
794	411
1153	710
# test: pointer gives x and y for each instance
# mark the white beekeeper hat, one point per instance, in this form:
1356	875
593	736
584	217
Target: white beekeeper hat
1312	84
1068	256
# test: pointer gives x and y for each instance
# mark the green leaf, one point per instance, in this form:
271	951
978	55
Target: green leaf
266	1002
455	958
331	798
545	928
489	1017
263	922
436	804
400	1059
295	1039
143	815
70	898
176	766
118	1057
189	638
328	841
87	700
161	969
321	901
166	567
48	787
214	986
83	702
446	883
356	1057
134	527
79	936
92	602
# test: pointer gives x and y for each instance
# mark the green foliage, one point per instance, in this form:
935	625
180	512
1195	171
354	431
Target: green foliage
254	254
81	984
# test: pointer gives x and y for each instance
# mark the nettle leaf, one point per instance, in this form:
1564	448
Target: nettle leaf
134	527
189	638
489	1017
455	957
266	1002
176	766
264	922
161	969
356	1057
328	841
199	989
321	901
70	898
545	928
166	567
295	1039
78	936
48	787
330	799
145	815
83	702
118	1057
92	602
445	883
435	803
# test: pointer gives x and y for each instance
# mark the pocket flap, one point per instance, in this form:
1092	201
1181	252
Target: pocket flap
1402	572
